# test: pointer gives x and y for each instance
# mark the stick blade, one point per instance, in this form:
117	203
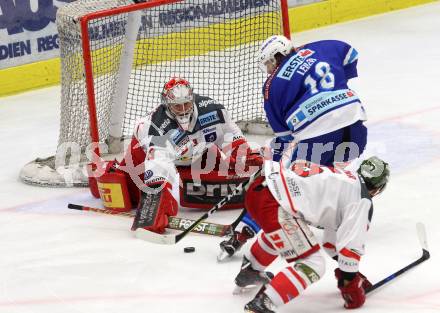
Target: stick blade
152	237
421	232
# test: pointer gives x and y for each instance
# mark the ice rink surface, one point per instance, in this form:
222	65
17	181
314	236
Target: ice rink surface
54	260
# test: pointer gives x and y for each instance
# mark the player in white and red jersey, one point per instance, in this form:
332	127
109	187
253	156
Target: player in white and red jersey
189	134
284	202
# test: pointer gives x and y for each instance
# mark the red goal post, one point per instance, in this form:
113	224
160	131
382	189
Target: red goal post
117	55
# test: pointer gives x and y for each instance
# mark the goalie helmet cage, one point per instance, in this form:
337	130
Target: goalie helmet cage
116	56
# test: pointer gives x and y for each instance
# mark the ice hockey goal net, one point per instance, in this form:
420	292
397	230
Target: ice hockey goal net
116	55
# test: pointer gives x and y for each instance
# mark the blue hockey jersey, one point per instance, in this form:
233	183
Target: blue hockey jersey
307	95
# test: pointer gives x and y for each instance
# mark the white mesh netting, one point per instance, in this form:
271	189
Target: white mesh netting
213	44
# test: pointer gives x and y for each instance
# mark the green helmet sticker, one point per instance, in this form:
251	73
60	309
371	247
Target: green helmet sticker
375	172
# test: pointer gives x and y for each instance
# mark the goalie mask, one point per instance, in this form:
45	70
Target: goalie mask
178	98
375	173
270	48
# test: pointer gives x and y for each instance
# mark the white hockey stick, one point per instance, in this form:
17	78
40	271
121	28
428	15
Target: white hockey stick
421	232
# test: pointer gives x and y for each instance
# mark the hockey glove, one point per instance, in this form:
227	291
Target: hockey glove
353	290
246	157
366	283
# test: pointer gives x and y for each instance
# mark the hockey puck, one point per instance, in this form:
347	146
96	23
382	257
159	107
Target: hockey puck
189	249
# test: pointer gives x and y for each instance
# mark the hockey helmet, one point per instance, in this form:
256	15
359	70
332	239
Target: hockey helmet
375	173
178	98
270	48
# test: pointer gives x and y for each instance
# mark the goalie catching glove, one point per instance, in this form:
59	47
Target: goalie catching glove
242	156
155	206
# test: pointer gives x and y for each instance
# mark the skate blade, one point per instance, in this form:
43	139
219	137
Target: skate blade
222	256
239	290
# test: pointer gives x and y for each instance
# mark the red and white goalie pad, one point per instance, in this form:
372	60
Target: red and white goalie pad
112	187
155	206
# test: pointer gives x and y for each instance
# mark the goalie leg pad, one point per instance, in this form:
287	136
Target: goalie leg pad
113	190
154	209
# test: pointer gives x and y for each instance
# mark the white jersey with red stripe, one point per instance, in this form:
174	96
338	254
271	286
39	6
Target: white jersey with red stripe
320	195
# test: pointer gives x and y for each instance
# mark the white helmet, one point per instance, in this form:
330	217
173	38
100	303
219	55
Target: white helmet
177	96
270	47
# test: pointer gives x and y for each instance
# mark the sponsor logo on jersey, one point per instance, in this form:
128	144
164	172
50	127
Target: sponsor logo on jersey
293	188
208	118
183	142
208	130
308	271
148	174
331	100
211	137
165	124
276	190
205	103
177	135
158	179
210	192
295	61
318	105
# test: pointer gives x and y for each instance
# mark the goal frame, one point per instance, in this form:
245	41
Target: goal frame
87	54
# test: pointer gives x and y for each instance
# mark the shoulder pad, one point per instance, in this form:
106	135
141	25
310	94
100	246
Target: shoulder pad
206	104
156	123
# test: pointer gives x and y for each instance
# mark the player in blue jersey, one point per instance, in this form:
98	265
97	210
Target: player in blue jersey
308	102
309	107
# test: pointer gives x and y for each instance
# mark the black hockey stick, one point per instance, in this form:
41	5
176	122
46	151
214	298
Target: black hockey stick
175	238
174	222
421	232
